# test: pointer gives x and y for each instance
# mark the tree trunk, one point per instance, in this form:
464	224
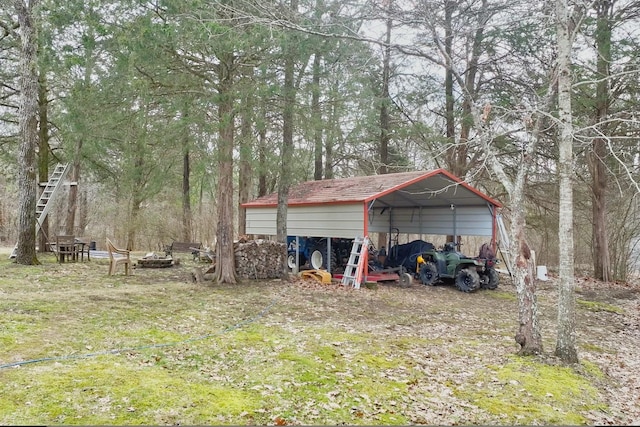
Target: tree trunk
287	143
332	137
565	344
74	226
28	125
457	153
385	101
316	111
528	335
136	195
262	163
186	190
246	150
82	210
262	150
72	205
597	167
448	83
225	260
43	156
134	217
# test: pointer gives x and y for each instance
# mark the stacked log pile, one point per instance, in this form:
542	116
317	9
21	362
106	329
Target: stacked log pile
259	259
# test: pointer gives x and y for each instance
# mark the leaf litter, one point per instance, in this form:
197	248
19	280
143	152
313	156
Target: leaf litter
322	354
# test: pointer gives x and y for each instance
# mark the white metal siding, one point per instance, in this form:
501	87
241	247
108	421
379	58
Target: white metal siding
464	221
261	221
344	221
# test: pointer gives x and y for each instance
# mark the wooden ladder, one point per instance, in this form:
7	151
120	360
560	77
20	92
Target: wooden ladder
43	206
354	271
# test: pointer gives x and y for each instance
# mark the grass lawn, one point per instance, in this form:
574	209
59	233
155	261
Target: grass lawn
80	347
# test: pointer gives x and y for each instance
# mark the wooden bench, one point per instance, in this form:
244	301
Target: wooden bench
185	247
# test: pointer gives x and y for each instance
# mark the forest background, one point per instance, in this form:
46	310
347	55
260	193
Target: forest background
173	111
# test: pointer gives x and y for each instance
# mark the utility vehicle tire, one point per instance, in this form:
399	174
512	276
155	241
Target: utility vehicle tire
467	280
291	260
405	280
318	259
493	277
428	274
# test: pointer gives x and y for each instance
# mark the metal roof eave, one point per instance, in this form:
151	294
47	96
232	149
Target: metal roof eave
430	174
391	190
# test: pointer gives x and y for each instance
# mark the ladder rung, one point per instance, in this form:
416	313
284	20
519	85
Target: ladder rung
354	265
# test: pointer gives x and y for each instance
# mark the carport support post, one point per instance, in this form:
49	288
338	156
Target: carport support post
390	231
455	231
329	255
297	269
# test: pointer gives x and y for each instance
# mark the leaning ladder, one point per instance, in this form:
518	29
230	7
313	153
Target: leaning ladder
44	204
354	271
504	244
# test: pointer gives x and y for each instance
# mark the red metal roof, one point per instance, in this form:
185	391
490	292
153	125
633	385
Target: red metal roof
359	189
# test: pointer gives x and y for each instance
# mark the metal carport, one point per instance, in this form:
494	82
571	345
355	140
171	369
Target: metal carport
421	202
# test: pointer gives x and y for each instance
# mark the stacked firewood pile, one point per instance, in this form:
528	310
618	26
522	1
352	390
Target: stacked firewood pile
259	259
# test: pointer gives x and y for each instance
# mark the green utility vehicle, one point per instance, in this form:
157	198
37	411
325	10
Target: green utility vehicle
469	274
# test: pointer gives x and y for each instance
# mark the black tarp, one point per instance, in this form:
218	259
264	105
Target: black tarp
406	254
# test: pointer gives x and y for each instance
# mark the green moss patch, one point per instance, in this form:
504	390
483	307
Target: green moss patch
599	306
503	295
525	391
101	391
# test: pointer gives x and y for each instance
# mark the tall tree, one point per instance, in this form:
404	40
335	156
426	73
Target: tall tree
316	110
385	103
28	124
43	153
511	134
565	343
246	146
528	335
449	104
84	85
290	52
458	28
225	271
598	154
186	178
385	98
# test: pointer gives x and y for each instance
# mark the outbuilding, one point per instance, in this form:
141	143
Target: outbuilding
419	202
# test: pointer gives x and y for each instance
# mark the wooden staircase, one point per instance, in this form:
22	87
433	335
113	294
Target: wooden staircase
43	206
